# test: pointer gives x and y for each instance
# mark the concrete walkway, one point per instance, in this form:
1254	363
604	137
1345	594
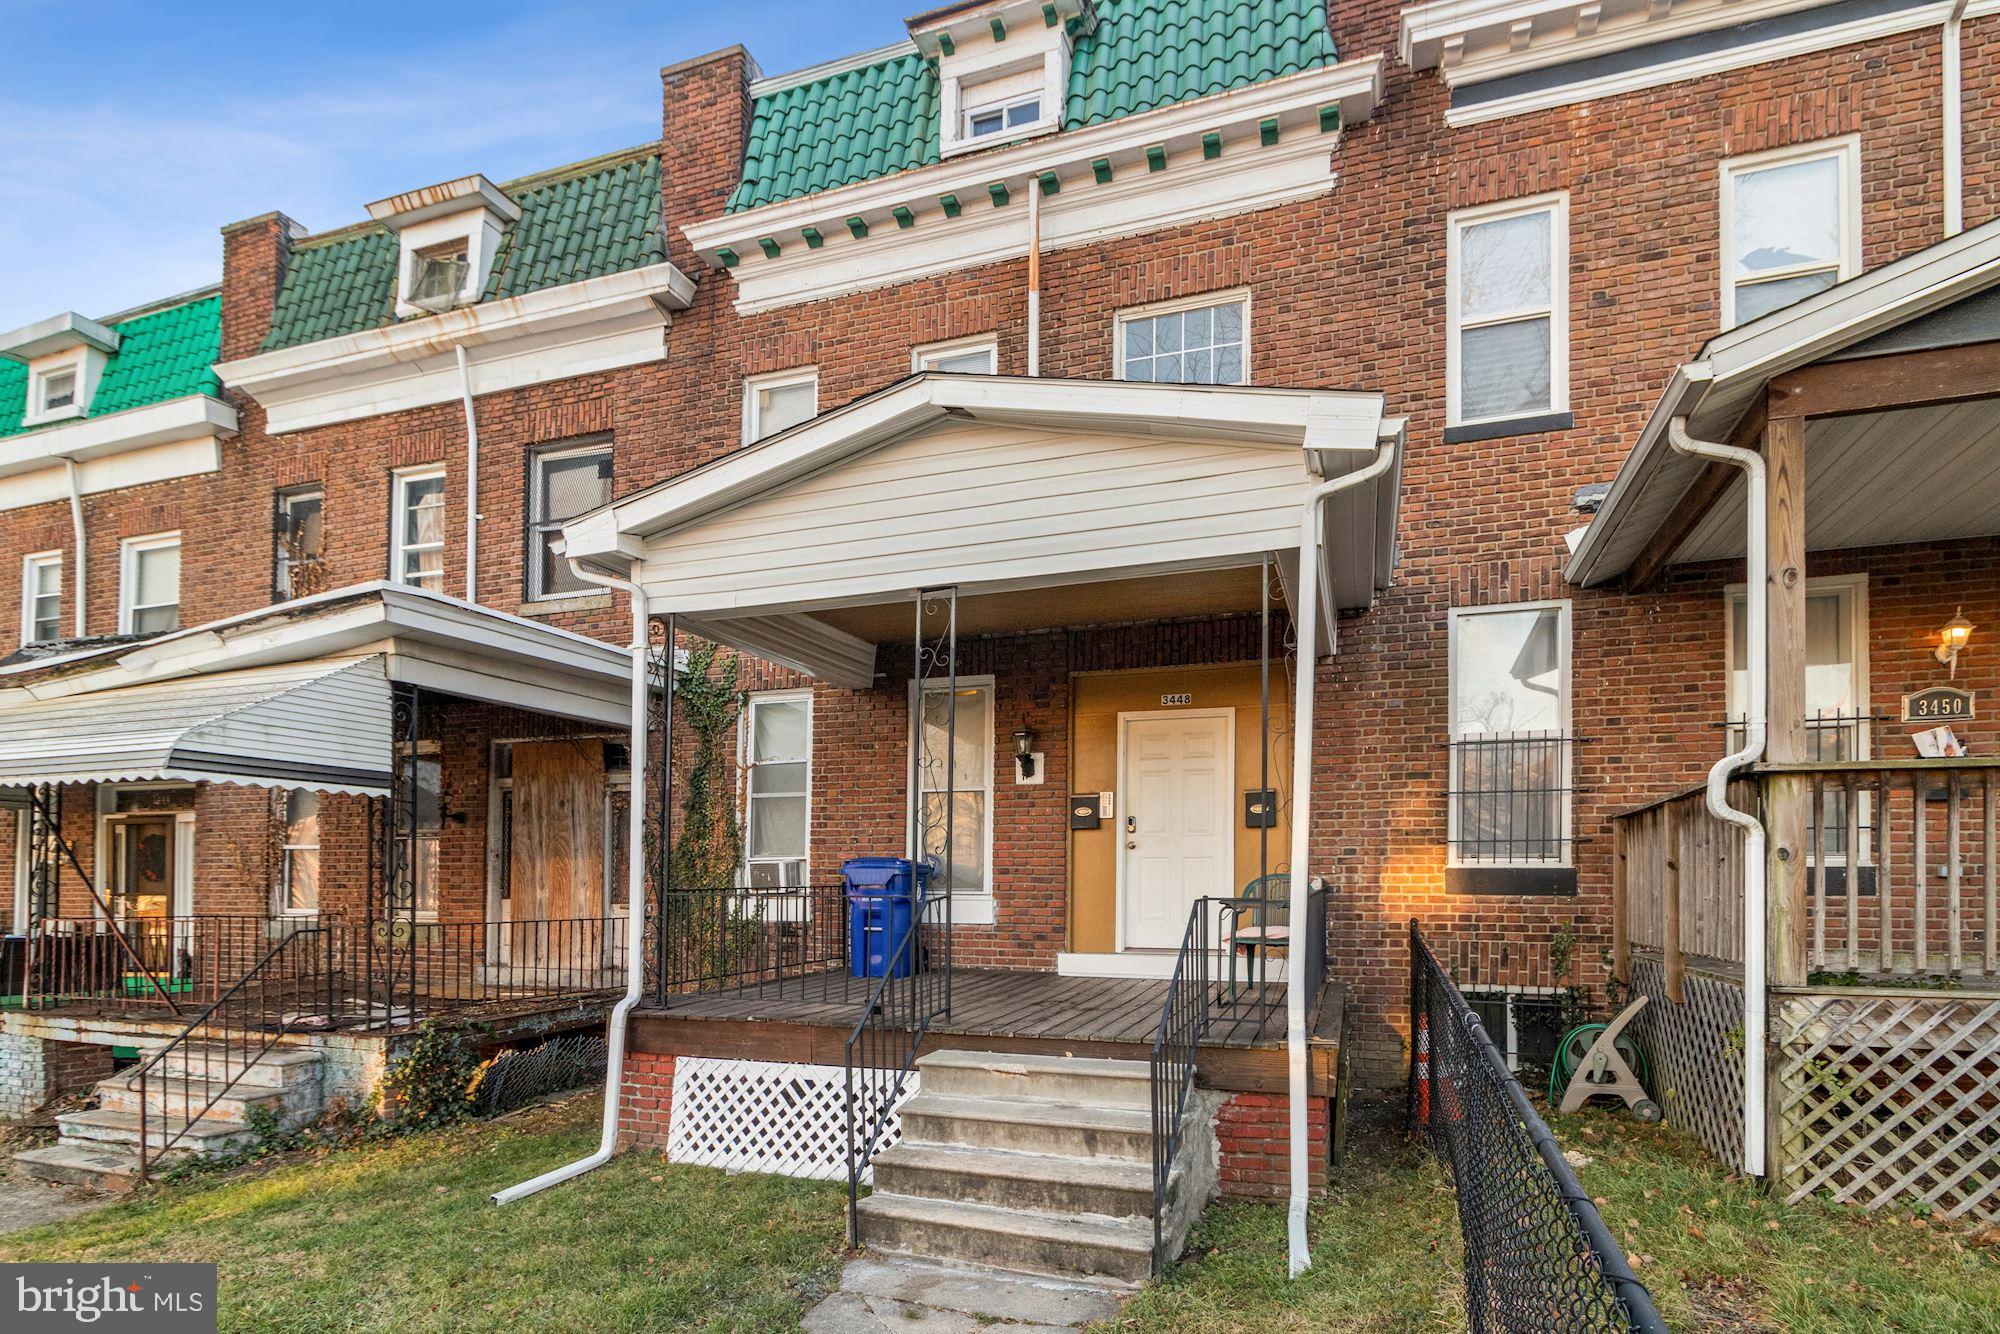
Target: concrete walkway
879	1293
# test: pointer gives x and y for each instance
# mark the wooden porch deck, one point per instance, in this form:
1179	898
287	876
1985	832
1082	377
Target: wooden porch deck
807	1020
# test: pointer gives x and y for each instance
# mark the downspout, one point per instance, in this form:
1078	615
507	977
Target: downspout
1034	275
1954	123
81	580
635	895
471	479
1756	1021
1307	631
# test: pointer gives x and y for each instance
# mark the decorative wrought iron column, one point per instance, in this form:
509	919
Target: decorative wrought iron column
659	756
934	781
392	925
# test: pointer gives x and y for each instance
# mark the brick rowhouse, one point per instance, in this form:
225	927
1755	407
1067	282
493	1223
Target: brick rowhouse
1348	290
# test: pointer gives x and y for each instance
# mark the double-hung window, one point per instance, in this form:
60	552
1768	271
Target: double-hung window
1201	341
567	481
1791	226
416	548
773	403
1507	312
149	584
300	545
955	789
298	884
777	796
1510	760
41	597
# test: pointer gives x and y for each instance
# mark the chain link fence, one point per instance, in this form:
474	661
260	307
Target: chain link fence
1537	1255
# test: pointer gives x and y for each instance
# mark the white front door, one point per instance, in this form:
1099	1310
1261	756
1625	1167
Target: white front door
1176	772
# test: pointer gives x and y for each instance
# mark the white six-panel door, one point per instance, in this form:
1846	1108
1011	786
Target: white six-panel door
1176	773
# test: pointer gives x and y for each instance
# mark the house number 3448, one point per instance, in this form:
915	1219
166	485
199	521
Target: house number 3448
1169	701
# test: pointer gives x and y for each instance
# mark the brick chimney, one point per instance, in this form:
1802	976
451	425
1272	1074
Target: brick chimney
705	127
255	254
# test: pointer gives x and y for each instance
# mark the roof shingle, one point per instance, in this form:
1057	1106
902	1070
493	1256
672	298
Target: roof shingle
605	219
163	354
880	119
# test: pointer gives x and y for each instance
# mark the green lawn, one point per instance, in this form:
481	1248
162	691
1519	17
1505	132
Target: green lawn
401	1236
1714	1251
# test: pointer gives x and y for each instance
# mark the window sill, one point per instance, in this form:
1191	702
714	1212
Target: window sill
1538	881
557	606
1536	425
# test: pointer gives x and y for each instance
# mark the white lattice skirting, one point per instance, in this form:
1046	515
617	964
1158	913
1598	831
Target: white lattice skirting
1696	1050
762	1116
1891	1097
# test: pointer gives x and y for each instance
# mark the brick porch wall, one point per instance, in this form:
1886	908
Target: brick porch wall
34	1070
646	1105
1254	1132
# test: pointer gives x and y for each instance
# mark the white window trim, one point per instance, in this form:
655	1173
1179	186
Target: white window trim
399	482
128	575
997	60
922	357
1566	832
754	384
1225	297
1855	587
281	562
1846	151
77	364
1556	204
30	564
537	495
968	907
746	724
283	890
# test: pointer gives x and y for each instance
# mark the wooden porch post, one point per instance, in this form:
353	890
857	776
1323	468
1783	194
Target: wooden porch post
1786	795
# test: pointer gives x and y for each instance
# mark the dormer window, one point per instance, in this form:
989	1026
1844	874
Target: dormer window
450	236
1003	68
65	359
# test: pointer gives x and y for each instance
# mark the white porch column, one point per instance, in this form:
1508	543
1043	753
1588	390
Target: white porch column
1306	632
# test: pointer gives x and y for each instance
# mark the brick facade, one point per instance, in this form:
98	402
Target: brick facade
1348	290
1253	1131
646	1109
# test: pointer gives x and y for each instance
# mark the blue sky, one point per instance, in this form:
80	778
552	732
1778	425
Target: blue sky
130	132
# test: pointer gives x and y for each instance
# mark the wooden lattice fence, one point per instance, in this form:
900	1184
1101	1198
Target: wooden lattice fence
1890	1096
1696	1049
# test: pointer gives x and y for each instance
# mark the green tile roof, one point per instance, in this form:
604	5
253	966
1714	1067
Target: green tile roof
882	118
164	353
582	224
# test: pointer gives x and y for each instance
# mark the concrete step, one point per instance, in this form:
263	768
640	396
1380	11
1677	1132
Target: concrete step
279	1067
904	1293
177	1097
1029	1125
1092	1081
98	1128
98	1167
1112	1187
1019	1240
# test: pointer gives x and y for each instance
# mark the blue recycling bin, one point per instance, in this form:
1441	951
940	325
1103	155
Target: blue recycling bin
883	894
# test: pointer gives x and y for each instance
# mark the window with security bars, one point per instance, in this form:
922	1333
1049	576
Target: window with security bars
1510	742
1837	720
567	482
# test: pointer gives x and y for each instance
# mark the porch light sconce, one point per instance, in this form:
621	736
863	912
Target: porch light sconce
1024	752
1952	639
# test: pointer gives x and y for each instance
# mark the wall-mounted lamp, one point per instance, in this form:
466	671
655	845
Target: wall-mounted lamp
1955	634
1024	752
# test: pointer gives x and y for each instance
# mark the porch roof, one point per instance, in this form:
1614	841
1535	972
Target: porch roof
1897	372
295	695
1137	500
323	725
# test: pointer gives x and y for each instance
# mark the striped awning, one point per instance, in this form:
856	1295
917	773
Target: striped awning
323	724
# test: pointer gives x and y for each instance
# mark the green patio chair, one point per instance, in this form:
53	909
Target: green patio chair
1257	924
